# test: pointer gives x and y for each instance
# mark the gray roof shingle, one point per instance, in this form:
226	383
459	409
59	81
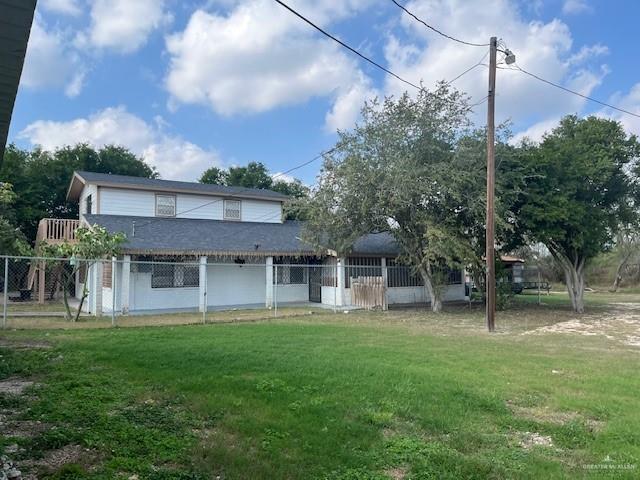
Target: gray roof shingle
195	236
173	185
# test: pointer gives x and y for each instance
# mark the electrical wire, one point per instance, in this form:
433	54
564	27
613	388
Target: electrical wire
351	49
439	32
553	84
239	192
469	69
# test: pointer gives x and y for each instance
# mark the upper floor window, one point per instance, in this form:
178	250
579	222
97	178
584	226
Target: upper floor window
88	208
165	205
232	209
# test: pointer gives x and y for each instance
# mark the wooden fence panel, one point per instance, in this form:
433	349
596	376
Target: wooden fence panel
368	292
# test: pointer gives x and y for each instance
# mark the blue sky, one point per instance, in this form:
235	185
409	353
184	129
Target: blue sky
190	84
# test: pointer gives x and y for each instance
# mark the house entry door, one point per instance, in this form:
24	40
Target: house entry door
315	284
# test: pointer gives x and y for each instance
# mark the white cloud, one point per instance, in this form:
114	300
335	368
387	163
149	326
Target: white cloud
74	87
542	48
173	156
258	57
630	102
123	25
49	61
65	7
588	52
573	7
536	131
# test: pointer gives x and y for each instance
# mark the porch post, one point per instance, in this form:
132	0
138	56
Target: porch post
124	284
96	274
203	284
269	285
340	293
385	282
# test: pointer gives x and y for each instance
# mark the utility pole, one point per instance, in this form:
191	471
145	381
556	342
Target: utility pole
490	281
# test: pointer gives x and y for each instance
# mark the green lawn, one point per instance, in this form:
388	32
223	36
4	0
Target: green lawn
403	394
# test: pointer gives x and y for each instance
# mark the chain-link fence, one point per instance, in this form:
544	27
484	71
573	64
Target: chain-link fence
39	291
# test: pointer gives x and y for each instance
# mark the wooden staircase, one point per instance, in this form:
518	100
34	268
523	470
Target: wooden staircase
51	231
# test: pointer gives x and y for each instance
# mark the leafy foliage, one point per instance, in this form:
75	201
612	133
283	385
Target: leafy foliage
580	193
12	240
41	178
92	245
392	173
256	175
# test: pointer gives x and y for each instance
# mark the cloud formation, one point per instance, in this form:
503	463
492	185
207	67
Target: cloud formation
173	156
258	57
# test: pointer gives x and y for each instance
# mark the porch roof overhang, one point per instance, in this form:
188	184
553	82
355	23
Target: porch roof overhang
16	17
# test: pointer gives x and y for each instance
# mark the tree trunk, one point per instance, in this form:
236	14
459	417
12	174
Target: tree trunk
574	278
621	265
434	293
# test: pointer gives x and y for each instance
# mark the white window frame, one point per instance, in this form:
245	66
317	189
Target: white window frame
164	195
224	209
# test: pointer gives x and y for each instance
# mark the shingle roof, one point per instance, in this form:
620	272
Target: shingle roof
195	236
176	186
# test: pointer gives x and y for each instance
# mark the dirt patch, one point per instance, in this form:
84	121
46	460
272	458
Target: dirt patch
55	459
24	344
22	428
396	473
14	386
622	324
529	440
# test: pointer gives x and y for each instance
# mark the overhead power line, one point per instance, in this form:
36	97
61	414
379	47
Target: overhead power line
351	49
239	192
553	84
439	32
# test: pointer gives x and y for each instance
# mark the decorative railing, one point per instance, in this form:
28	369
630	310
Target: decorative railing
57	230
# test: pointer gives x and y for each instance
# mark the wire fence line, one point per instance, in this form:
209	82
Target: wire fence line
36	289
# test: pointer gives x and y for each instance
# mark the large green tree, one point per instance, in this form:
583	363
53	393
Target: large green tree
41	178
12	240
391	173
467	186
580	194
256	175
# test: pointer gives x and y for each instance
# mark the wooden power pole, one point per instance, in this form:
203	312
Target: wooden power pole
490	283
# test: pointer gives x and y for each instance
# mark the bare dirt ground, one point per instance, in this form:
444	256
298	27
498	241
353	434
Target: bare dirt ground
621	323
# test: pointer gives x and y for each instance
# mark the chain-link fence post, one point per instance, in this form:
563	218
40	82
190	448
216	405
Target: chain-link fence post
205	267
5	295
335	288
275	292
114	267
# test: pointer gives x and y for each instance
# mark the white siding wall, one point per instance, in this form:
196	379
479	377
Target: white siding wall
115	201
86	191
143	297
292	293
236	285
127	202
259	211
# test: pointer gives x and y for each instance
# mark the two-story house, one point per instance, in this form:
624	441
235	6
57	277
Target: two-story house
227	239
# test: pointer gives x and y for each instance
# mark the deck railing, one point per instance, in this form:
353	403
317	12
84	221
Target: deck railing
57	230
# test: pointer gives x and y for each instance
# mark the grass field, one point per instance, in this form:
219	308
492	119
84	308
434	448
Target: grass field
379	395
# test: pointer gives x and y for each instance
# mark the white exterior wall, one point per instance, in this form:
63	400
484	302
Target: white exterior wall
236	285
143	297
405	295
116	201
293	293
328	295
86	191
107	295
